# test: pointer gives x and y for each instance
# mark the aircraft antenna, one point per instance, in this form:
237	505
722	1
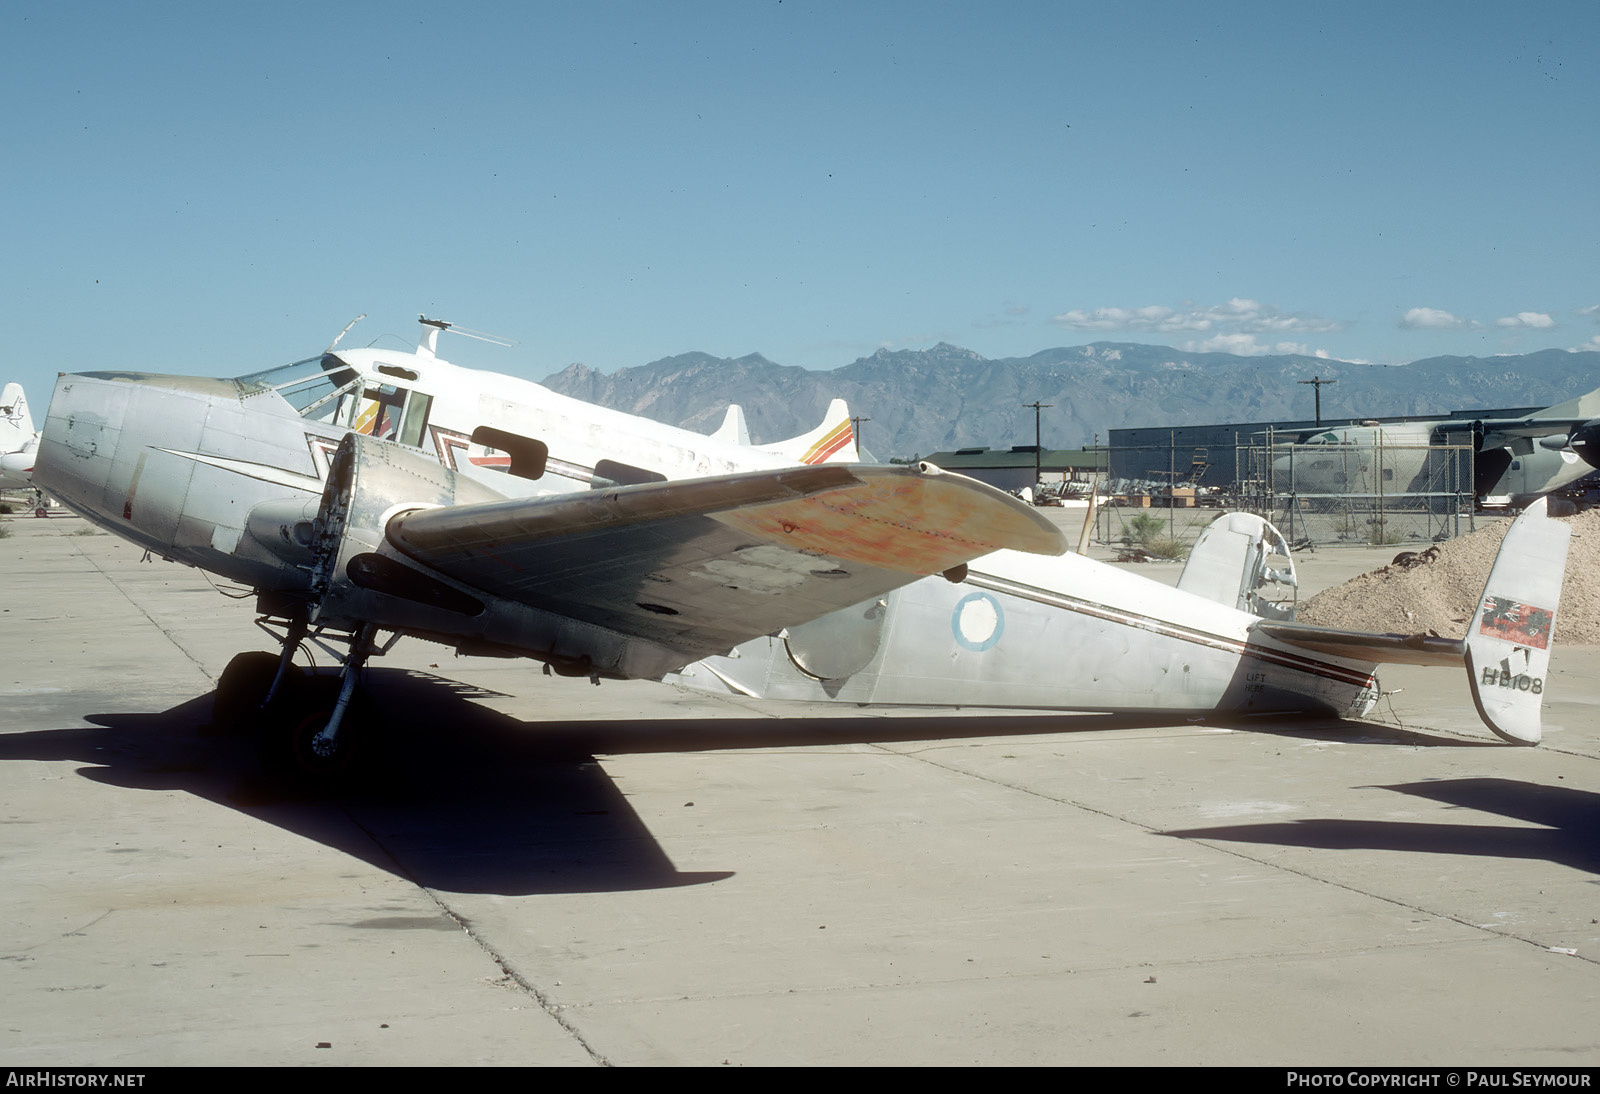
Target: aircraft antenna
344	332
468	332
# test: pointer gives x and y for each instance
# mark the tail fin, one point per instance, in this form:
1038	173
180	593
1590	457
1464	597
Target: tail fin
1584	406
733	428
16	424
1508	642
1234	562
834	441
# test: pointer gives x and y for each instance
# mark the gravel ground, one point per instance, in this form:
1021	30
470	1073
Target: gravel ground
1439	594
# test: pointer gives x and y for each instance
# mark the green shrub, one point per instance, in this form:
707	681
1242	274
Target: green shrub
1381	535
1143	529
1165	547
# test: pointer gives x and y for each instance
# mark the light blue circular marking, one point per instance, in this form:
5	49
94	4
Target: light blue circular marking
977	622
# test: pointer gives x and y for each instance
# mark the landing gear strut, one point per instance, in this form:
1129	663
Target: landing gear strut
325	742
309	729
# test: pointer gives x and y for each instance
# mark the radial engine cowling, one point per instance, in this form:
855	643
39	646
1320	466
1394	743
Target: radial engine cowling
357	577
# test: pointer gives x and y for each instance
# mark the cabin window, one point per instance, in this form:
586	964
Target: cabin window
380	412
317	387
319	404
416	419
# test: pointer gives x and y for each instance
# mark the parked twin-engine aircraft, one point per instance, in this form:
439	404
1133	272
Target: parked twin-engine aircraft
18	439
502	518
602	544
1515	459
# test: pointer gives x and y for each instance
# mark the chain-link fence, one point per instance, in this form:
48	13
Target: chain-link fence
1374	494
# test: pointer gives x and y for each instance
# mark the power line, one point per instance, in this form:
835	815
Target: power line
1317	382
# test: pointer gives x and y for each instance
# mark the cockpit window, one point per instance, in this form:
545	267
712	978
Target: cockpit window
313	387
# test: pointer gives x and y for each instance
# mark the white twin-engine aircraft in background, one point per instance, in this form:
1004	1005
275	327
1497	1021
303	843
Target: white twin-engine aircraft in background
364	493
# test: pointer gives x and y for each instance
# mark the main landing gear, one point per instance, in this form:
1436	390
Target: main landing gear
311	728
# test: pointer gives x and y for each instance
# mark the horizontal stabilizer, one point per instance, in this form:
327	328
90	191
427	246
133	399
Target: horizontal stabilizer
1378	649
1507	648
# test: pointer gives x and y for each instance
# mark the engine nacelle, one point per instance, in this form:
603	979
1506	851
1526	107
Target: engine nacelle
1585	441
356	576
359	577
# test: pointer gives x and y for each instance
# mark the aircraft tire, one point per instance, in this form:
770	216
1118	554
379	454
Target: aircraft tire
287	738
244	683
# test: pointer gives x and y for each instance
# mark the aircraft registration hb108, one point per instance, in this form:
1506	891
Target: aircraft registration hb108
608	545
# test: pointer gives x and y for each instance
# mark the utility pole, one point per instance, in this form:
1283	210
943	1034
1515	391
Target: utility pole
1317	382
1037	406
855	431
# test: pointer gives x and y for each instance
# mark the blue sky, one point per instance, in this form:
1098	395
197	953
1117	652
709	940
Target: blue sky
215	188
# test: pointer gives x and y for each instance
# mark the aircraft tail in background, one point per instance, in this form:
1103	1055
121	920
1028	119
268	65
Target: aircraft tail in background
834	441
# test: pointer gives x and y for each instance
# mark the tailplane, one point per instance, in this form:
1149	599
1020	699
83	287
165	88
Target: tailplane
1507	647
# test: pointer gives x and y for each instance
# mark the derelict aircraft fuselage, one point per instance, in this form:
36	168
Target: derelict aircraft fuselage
366	491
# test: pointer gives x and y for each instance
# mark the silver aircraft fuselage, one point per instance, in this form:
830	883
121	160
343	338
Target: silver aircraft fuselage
227	475
1061	633
176	464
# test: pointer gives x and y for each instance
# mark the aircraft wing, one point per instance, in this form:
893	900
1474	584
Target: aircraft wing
1568	417
1500	433
702	565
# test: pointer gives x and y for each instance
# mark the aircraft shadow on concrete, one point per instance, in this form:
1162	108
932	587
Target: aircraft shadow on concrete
463	798
1570	835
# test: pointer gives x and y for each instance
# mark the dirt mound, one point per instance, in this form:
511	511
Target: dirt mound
1438	592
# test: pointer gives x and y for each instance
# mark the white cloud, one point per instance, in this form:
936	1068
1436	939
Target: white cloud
1535	320
1239	315
1245	345
1593	311
1433	319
